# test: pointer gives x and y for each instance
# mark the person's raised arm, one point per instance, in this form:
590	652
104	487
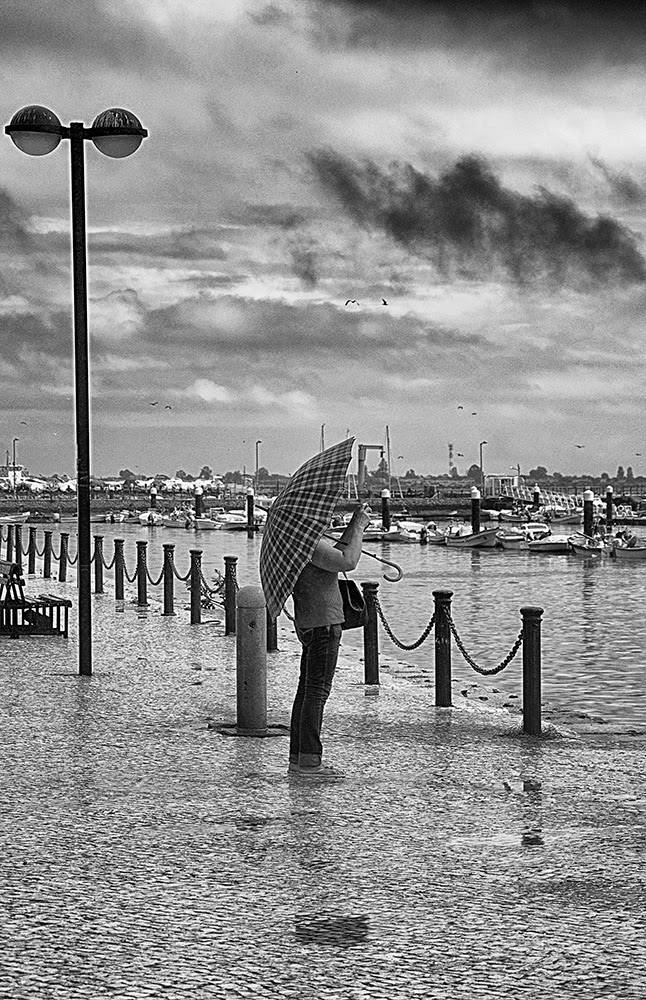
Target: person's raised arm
343	555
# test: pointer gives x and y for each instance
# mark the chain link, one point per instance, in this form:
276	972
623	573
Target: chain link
481	670
394	638
155	583
176	574
39	553
73	561
130	579
56	555
112	561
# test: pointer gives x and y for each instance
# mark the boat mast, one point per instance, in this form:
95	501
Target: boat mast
388	454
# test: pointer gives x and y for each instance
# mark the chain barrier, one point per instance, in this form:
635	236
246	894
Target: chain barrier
175	573
210	594
25	549
56	556
130	579
481	670
38	551
155	583
394	638
112	561
73	561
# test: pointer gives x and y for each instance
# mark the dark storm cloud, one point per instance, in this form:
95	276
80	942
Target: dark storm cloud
232	327
92	30
468	225
27	338
551	35
624	188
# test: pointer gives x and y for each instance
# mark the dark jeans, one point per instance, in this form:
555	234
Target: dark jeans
318	663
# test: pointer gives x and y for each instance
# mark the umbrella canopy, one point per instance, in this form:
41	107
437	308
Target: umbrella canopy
298	518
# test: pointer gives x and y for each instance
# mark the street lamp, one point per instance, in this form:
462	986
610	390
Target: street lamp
116	133
481	469
13	465
255	481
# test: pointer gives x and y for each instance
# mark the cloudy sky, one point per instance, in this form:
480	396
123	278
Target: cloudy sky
472	176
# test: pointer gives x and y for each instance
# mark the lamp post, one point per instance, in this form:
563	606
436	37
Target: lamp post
13	466
481	469
255	480
116	133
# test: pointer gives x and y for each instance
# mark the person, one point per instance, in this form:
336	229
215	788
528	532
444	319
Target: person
318	617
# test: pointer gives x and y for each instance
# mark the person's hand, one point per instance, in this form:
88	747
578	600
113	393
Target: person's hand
361	515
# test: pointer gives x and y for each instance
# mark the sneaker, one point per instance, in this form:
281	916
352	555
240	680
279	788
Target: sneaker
320	771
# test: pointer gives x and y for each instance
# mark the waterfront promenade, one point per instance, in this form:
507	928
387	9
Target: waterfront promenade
143	854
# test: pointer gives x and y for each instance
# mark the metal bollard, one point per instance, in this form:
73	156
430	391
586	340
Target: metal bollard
370	634
609	506
588	512
532	670
62	559
442	648
119	568
196	586
31	552
98	564
250	513
230	590
385	509
169	578
142	580
475	510
272	634
18	546
251	661
10	543
47	555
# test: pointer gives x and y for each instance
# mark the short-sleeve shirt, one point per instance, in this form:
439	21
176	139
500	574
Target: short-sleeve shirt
317	598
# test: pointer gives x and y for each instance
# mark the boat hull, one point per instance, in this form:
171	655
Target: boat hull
487	539
557	546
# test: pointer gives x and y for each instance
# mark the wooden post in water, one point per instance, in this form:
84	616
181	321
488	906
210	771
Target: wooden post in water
475	510
532	670
370	634
609	506
442	648
385	509
588	513
536	497
250	513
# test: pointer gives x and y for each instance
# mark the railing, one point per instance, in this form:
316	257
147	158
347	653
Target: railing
445	629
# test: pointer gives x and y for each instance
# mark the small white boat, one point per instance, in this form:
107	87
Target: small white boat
15	518
236	520
151	518
628	553
485	539
115	517
574	517
556	544
582	545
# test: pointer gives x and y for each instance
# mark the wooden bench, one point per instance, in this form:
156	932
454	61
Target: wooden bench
45	614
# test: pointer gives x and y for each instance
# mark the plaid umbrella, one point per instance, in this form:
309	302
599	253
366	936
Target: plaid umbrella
297	519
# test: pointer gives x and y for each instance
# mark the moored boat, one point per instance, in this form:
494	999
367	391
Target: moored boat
486	539
151	518
556	544
627	553
15	518
583	545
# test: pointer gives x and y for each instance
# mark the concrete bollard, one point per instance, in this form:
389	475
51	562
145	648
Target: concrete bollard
47	555
18	546
142	580
442	648
532	670
475	510
119	569
98	564
250	513
609	507
230	590
195	583
31	552
251	661
588	512
370	634
62	558
169	586
385	509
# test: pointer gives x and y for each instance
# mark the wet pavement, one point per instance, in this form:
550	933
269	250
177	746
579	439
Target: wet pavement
143	854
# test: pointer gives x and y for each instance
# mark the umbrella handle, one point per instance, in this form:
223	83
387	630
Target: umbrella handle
398	569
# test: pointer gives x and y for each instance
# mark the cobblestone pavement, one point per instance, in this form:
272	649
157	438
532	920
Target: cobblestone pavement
146	855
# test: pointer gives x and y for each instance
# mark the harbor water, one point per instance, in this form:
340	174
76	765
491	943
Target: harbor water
593	634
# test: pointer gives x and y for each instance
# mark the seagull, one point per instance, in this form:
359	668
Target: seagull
383	302
475	413
348	301
167	407
579	446
638	454
24	423
460	407
460	455
156	403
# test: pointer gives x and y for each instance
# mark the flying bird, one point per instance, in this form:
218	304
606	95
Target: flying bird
475	413
348	301
24	423
167	407
460	407
579	446
638	453
156	403
383	302
460	455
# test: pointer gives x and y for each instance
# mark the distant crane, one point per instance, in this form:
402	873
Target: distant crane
451	462
361	470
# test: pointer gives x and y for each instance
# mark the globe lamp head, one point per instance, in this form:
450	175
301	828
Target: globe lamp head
35	130
117	133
